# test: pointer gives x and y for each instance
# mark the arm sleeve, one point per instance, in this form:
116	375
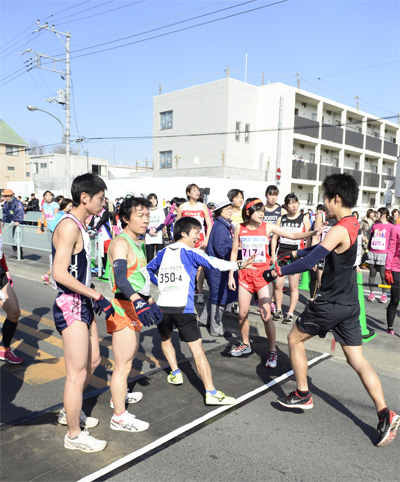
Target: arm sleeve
202	259
306	263
120	267
303	252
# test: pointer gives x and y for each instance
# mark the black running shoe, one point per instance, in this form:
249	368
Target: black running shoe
278	315
294	401
387	428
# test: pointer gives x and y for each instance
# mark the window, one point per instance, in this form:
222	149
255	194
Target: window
335	162
166	120
43	165
310	199
237	132
12	151
390	171
165	159
356	166
247	134
10	168
314	116
99	169
312	158
34	168
296	111
28	174
372	203
374	169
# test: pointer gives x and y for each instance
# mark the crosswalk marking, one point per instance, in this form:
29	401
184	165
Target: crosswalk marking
45	367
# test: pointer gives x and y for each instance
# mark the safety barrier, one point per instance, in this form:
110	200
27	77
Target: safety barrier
31	237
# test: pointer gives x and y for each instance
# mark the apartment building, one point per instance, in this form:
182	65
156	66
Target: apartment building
275	134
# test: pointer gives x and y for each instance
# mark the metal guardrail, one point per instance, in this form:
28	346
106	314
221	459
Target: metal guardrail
31	237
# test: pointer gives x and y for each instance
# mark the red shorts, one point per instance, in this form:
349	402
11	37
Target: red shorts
200	241
252	279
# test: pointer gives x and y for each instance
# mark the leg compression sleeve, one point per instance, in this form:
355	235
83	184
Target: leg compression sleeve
9	328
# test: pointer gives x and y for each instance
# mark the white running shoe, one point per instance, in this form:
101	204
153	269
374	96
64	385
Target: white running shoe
84	421
272	360
240	350
131	397
84	442
128	423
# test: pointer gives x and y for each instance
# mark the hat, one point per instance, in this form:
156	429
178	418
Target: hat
223	203
8	192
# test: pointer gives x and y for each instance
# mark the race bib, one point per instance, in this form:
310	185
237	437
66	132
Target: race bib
170	278
146	289
254	245
378	243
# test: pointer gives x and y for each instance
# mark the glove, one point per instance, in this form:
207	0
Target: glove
102	305
42	228
10	280
268	276
147	314
286	258
388	277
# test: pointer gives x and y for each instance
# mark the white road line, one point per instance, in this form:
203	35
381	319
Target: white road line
179	431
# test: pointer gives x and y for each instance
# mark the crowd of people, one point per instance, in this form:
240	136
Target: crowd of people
243	248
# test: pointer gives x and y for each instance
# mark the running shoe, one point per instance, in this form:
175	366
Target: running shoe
84	421
288	318
387	428
10	356
200	298
131	397
175	379
84	442
383	299
46	279
219	399
128	423
390	332
371	297
272	360
294	401
278	315
240	350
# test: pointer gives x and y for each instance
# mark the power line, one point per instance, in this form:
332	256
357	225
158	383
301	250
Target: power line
65	9
86	10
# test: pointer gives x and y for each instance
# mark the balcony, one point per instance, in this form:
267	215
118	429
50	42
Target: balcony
307	127
354	139
327	171
355	174
373	144
332	133
385	177
390	148
304	170
371	179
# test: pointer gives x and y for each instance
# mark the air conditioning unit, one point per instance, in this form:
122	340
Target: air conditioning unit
304	104
347	155
350	119
302	146
329	112
327	151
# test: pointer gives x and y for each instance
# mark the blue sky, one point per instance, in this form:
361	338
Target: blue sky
341	49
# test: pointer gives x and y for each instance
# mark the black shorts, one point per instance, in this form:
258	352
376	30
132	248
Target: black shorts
3	278
319	317
186	323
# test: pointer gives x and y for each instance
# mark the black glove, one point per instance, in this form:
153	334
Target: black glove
148	314
102	305
268	276
42	228
286	258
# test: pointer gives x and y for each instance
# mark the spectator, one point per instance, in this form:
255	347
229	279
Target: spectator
13	211
236	197
33	204
154	233
396	216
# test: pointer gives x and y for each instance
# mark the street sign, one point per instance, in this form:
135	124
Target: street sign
278	174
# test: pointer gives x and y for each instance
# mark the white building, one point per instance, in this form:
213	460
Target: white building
232	130
49	170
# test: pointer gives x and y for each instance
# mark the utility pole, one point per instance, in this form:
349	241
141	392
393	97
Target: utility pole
64	75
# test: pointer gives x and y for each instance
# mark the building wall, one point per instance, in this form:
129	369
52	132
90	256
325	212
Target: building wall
19	163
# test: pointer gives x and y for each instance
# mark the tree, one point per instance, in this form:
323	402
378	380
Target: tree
35	148
61	150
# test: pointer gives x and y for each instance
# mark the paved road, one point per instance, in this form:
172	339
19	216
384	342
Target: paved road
256	440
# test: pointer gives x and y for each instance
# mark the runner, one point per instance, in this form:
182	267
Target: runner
392	276
50	209
254	237
176	267
9	303
295	222
336	307
199	211
131	286
73	310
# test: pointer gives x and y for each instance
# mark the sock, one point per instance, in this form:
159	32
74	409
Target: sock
302	394
9	328
175	372
213	392
119	415
382	414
